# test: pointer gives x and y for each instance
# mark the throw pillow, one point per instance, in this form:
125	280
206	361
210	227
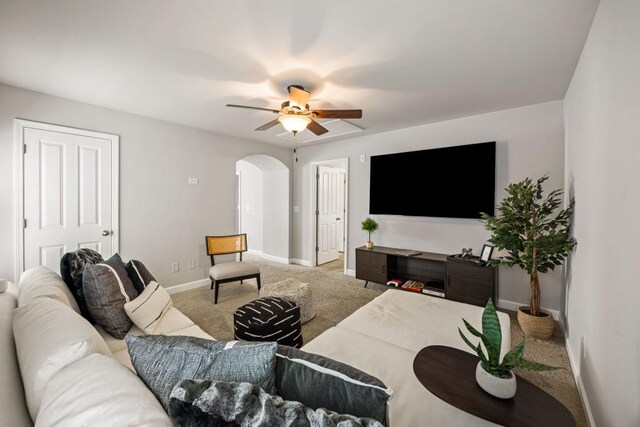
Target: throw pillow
220	403
320	382
148	309
107	288
139	275
162	361
71	269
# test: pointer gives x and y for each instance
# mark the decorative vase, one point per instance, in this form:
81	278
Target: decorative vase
369	244
540	327
503	388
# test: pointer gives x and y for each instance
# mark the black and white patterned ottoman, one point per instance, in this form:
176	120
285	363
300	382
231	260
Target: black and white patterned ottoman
269	319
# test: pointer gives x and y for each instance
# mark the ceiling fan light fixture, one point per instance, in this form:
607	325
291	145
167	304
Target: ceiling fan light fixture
294	123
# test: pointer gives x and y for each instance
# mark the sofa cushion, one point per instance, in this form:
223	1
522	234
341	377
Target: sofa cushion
13	406
441	315
107	288
50	336
149	308
139	275
218	403
71	269
41	282
98	391
320	382
163	361
226	270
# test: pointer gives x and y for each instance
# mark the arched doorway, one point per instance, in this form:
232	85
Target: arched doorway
263	205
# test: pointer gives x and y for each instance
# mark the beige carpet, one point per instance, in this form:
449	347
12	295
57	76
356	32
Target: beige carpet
337	296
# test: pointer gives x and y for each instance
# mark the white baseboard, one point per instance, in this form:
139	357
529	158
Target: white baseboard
274	258
513	306
300	262
188	286
351	272
576	375
268	257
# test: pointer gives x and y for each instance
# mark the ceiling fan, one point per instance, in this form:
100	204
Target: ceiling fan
295	114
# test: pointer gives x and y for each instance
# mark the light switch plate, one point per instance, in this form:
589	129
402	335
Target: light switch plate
362	158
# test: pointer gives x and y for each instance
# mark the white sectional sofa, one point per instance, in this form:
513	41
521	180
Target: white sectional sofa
81	375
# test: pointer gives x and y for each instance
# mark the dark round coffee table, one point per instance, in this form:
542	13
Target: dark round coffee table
450	374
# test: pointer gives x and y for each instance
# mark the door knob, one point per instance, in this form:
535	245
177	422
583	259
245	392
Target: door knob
337	219
106	232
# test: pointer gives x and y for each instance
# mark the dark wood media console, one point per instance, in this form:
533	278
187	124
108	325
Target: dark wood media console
445	276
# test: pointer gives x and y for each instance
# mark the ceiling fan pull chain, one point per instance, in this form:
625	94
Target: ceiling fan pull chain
295	146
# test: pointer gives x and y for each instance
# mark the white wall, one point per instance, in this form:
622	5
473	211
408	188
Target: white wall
162	218
276	214
251	204
529	143
602	118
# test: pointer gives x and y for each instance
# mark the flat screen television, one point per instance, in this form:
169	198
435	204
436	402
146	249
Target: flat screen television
451	182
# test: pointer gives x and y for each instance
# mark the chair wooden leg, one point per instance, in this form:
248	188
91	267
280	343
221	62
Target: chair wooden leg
366	283
258	280
217	288
241	282
212	282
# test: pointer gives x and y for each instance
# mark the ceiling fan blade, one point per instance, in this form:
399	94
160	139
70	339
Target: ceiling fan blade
269	125
337	114
252	108
298	97
317	128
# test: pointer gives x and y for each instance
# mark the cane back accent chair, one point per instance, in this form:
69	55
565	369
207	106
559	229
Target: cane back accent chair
229	271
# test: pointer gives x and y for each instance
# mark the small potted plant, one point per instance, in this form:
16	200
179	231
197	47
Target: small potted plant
492	375
536	237
369	225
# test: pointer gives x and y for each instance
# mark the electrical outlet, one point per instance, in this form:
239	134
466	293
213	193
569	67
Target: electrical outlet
192	181
296	209
175	267
192	264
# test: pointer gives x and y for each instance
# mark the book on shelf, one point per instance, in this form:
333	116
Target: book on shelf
413	285
395	282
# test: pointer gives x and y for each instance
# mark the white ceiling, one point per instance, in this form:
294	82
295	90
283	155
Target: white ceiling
403	62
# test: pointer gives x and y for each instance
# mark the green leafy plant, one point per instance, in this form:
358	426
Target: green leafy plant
369	225
528	228
491	337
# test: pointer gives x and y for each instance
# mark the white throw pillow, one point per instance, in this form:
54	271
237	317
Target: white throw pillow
99	391
41	282
148	309
50	336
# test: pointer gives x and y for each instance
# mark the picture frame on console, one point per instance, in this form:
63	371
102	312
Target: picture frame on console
487	251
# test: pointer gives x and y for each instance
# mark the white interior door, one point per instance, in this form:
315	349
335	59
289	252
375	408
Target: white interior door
327	230
341	202
68	194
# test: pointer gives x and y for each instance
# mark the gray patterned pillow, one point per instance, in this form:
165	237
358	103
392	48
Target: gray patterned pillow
139	275
220	403
320	382
107	288
162	361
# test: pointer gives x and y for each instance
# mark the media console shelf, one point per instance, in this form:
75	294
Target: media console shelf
444	276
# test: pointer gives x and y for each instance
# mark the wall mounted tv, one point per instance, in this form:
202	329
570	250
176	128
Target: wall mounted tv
451	182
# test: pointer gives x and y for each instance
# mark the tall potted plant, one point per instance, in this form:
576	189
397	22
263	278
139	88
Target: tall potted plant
536	237
371	226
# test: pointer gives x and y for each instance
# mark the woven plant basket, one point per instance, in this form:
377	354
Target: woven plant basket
540	327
